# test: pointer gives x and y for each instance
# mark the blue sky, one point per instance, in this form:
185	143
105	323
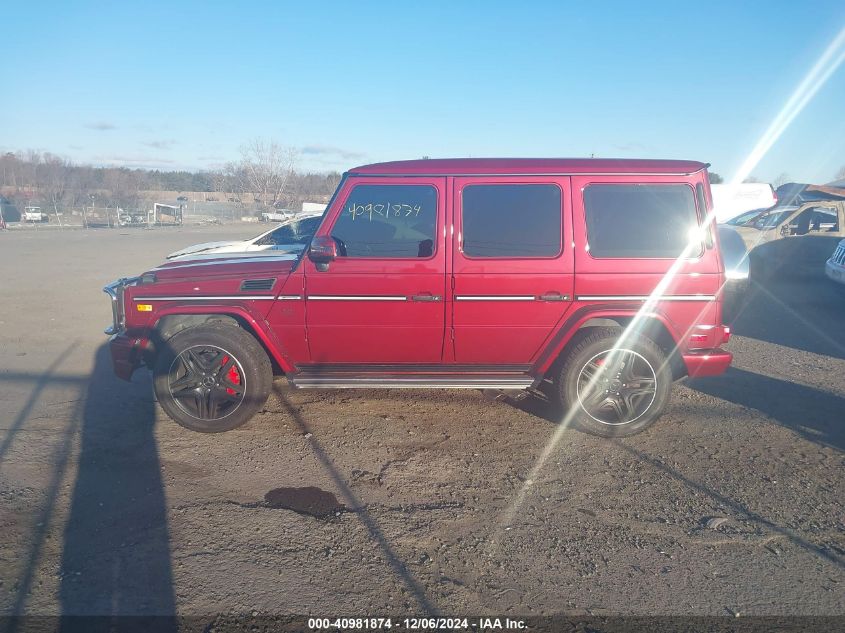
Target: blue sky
186	84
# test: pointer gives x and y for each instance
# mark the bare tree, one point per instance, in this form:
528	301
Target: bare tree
782	179
53	182
840	175
266	169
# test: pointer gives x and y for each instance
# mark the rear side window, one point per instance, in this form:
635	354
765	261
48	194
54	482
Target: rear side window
639	220
511	220
387	221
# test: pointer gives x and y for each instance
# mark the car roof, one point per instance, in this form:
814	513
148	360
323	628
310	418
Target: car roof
525	166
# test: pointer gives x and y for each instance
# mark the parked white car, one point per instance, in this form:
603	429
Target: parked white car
290	236
730	201
34	214
835	266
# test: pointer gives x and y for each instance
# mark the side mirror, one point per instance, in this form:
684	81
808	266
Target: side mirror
784	230
322	251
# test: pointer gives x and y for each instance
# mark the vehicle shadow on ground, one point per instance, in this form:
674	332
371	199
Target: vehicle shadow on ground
354	504
813	414
804	314
547	407
116	553
736	506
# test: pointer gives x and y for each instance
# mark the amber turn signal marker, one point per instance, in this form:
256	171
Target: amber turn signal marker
145	307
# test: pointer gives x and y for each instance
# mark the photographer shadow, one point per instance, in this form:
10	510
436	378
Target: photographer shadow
116	555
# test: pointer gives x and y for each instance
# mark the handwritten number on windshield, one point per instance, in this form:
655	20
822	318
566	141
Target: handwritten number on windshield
385	210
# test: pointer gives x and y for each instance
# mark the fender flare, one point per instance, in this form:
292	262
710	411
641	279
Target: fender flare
574	321
258	327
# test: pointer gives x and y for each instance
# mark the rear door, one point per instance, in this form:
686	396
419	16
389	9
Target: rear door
381	301
512	266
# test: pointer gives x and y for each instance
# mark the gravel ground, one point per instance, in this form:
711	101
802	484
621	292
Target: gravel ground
731	504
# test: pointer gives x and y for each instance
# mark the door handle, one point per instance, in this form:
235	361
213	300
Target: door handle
553	296
426	297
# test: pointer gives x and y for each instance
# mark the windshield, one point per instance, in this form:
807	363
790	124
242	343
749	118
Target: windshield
296	232
772	219
744	218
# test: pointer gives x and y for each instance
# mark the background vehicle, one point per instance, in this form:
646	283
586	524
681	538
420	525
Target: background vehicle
125	218
276	216
388	297
795	238
291	236
730	201
34	214
835	266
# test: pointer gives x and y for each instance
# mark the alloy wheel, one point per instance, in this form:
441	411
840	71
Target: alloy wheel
616	386
206	382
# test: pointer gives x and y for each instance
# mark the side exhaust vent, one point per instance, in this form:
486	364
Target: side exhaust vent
258	284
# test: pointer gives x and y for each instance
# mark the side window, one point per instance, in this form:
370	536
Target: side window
639	221
387	221
813	220
511	220
824	220
703	211
801	223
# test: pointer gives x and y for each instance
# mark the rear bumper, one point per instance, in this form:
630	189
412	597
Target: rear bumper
126	354
712	362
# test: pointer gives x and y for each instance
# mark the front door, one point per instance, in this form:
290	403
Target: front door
381	301
513	266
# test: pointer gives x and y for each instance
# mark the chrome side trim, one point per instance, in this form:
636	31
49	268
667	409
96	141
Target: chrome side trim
495	298
357	298
410	383
210	298
646	297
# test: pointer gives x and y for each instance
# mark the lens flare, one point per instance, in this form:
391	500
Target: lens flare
827	64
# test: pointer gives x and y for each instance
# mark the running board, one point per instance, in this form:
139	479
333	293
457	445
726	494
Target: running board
409	381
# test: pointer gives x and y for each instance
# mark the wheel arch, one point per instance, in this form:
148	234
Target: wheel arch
173	320
654	326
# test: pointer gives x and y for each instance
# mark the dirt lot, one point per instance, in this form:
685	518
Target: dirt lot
108	507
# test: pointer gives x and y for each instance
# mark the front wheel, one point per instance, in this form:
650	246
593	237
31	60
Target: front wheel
613	387
212	378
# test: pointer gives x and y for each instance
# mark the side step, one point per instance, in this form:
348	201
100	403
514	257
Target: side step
348	380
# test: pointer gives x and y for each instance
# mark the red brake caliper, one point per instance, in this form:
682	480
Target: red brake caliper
233	376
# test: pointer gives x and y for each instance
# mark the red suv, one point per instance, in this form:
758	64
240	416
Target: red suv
596	278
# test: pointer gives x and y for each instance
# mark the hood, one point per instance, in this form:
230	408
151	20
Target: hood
206	246
239	265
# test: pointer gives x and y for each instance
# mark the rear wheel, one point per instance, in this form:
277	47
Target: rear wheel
614	389
212	378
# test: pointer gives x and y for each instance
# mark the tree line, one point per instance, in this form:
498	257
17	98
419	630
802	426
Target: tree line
265	175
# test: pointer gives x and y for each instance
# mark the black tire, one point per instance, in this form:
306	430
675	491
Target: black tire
212	377
635	379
